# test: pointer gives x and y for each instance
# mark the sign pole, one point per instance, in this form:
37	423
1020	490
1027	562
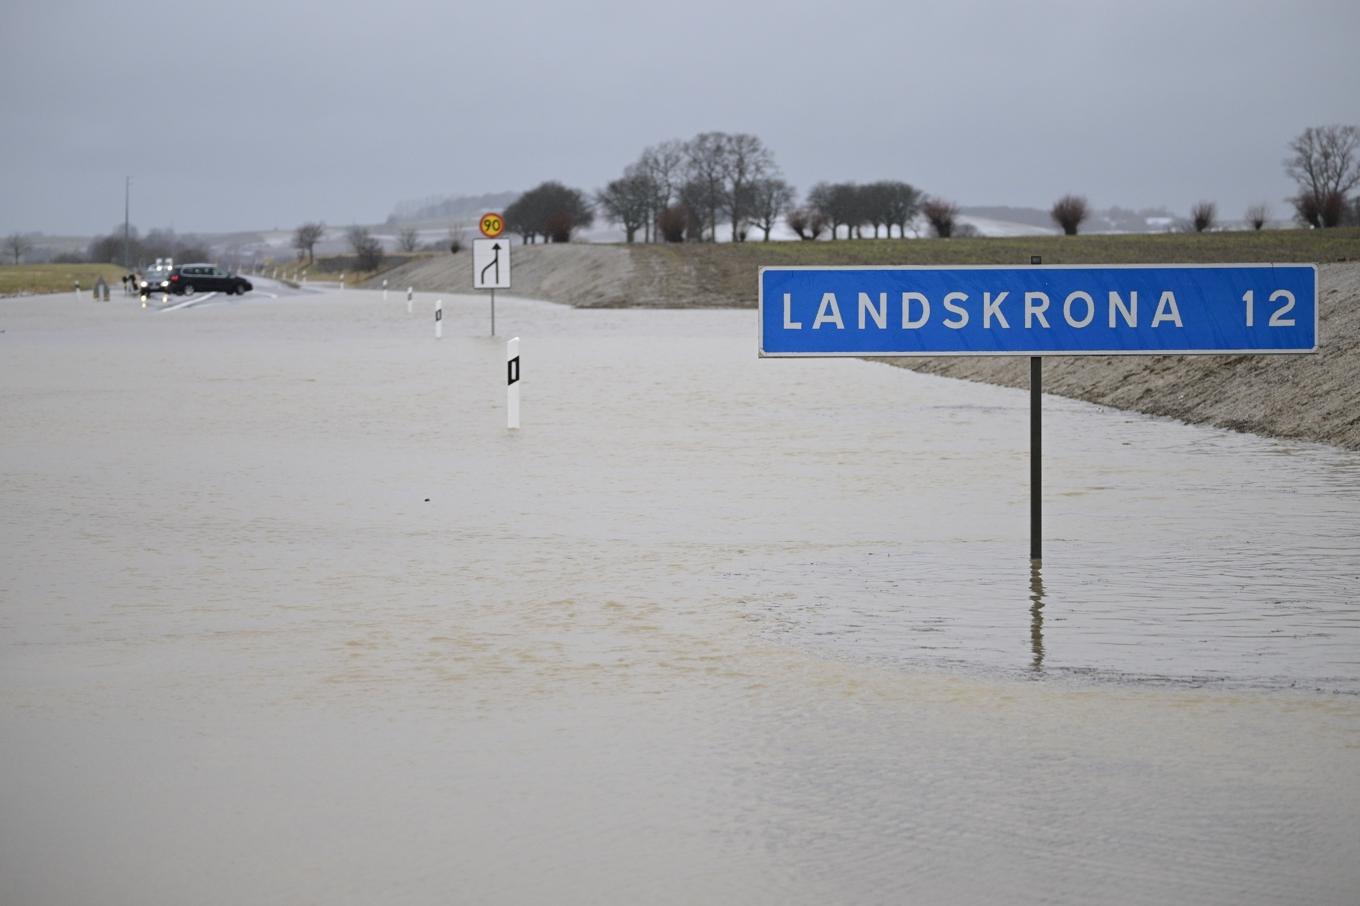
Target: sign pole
493	312
1036	450
1036	458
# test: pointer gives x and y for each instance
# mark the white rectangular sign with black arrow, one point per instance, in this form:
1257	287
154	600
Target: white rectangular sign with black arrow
491	263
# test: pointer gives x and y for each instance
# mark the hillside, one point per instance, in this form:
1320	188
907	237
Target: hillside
1303	397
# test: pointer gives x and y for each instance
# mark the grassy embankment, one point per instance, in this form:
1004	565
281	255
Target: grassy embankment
333	269
34	279
729	270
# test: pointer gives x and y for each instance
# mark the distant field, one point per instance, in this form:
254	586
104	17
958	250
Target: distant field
730	270
31	279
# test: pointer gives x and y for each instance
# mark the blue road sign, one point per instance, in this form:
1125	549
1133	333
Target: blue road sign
1041	310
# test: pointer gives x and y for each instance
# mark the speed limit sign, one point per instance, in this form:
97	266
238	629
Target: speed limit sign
492	225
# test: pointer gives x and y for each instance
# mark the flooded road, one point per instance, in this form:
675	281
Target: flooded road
287	614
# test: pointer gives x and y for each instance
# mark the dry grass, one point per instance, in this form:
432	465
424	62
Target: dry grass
34	279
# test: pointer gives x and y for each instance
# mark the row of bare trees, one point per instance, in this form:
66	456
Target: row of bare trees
683	189
111	247
882	204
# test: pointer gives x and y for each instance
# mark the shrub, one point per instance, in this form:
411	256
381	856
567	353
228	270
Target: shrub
1202	216
808	223
1330	208
941	216
368	249
671	222
1069	211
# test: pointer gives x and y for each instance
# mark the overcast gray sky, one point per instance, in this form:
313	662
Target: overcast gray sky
265	113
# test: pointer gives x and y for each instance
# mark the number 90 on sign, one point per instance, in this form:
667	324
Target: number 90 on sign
492	225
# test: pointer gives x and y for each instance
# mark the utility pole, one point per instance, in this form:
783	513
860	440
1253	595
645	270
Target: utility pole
127	196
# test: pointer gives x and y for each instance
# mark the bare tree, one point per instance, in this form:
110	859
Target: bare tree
628	201
1325	164
807	222
1257	215
306	237
1319	211
941	215
745	159
857	206
770	198
1203	215
18	245
693	199
663	165
1069	211
839	204
550	210
368	250
706	185
408	240
457	237
872	202
904	203
819	201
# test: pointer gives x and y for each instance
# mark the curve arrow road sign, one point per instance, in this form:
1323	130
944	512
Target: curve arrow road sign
490	264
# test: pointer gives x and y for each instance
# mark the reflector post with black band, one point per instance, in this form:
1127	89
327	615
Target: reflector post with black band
512	384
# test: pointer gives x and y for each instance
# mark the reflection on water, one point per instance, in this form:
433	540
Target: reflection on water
1175	555
1036	615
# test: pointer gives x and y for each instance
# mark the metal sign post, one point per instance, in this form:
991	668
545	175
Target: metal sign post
491	269
1036	450
1036	457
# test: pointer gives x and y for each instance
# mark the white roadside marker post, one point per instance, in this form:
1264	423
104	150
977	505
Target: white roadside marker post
409	290
342	282
512	384
77	290
438	319
384	290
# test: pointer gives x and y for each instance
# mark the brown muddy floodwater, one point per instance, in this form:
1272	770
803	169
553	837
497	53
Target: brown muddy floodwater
288	616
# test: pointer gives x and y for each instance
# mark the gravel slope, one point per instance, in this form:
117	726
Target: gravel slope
1302	397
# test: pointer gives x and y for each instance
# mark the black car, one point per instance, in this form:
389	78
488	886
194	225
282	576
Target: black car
187	279
152	280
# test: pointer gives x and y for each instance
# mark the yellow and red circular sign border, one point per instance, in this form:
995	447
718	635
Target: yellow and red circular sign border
500	221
